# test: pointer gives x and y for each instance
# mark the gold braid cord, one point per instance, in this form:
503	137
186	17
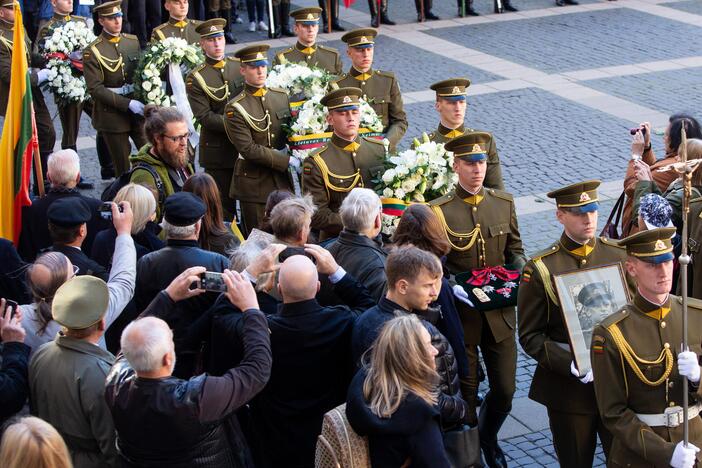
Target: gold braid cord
253	121
546	279
210	91
104	61
324	169
626	350
474	235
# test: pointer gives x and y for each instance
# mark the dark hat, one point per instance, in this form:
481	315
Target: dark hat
655	211
653	246
308	15
581	197
183	209
342	99
471	146
361	38
80	302
69	212
255	55
453	89
593	291
113	8
211	28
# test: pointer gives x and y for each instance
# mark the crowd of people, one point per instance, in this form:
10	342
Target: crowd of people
205	314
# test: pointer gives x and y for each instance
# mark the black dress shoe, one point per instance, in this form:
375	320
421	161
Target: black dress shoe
385	20
560	3
430	16
508	7
229	38
337	27
107	174
84	184
469	12
571	2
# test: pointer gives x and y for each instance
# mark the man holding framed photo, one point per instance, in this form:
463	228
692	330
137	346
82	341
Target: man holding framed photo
574	421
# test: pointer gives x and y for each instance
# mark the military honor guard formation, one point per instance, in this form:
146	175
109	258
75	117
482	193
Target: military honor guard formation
412	259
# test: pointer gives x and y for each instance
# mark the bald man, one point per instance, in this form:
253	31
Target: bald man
312	365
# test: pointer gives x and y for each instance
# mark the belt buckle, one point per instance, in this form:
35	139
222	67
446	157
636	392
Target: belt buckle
673	416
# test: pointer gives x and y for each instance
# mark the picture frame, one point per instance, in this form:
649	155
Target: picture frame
587	296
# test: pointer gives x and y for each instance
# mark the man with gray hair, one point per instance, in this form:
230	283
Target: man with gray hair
359	247
63	172
291	220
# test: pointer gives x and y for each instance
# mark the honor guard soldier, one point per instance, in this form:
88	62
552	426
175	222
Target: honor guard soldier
209	88
346	162
45	127
451	105
108	67
178	24
380	88
254	122
638	364
307	51
575	422
481	227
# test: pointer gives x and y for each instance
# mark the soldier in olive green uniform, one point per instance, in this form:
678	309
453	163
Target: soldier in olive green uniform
451	105
638	365
481	226
254	122
694	246
380	88
346	162
108	66
209	87
307	50
178	24
574	421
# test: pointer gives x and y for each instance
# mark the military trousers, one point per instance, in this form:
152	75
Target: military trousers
575	437
69	115
120	148
251	215
223	179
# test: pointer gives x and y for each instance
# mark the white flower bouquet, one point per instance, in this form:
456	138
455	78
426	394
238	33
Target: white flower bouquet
62	48
300	81
148	85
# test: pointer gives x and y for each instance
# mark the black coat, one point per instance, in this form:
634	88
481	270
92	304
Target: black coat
35	223
14	381
311	372
412	432
177	423
12	274
85	264
144	242
364	258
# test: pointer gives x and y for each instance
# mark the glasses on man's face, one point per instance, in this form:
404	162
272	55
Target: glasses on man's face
178	138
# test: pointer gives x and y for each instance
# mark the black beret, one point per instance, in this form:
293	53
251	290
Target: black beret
69	211
184	209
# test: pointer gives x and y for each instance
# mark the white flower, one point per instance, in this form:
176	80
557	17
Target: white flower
389	176
387	192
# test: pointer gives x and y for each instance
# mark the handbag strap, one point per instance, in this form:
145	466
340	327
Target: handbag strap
617	211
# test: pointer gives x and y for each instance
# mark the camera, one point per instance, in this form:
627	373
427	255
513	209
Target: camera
212	281
641	129
105	210
9	303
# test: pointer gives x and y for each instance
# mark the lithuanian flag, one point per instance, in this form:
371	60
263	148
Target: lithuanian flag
19	139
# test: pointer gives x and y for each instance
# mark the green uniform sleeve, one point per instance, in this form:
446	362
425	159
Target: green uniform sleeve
396	117
200	105
514	251
92	71
313	183
493	175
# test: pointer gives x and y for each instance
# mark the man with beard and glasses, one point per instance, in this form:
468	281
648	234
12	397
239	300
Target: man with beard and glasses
166	154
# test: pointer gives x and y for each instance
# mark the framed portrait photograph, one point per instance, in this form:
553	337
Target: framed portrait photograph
588	296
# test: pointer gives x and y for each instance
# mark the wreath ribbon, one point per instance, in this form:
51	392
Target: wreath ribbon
481	276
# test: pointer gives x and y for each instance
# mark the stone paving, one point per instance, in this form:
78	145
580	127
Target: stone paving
558	87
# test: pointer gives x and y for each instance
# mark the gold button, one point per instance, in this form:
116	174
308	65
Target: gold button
272	135
309	57
475	208
353	154
666	345
553	248
363	82
500	232
583	261
263	98
477	225
672	403
663	326
670	384
480	258
266	111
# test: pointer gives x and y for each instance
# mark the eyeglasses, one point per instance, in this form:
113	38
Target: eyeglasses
178	138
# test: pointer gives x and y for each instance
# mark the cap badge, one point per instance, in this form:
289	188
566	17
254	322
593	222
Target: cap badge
346	99
584	197
259	56
660	245
477	148
363	39
213	28
455	90
115	9
310	16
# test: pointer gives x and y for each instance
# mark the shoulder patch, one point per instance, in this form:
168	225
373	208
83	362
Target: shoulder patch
611	242
555	247
598	344
501	194
442	200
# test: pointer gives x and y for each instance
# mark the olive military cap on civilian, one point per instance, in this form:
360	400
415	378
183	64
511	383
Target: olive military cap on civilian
113	8
653	246
184	209
255	55
80	302
212	28
361	38
581	197
69	211
307	15
470	146
453	89
342	99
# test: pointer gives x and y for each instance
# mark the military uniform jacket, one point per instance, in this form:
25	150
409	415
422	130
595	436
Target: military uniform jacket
382	91
110	63
55	21
6	38
621	393
209	87
694	245
317	55
489	215
184	29
330	173
254	124
493	176
542	330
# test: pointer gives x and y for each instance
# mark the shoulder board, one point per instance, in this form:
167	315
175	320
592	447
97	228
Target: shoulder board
78	18
233	59
546	252
94	43
696	200
316	151
278	90
130	36
374	140
199	67
442	200
286	51
611	243
195	22
389	74
501	194
239	97
616	317
431	135
692	303
328	49
160	27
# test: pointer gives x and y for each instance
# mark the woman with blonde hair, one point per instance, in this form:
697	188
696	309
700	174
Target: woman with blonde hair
392	399
32	442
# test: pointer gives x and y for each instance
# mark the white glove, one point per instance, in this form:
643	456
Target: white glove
587	378
136	107
42	75
689	366
684	457
461	295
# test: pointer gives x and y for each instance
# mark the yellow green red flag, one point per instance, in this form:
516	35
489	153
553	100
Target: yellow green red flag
19	139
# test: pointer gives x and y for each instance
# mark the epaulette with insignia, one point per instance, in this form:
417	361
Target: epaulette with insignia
95	42
198	68
501	194
277	90
196	22
692	303
130	36
233	59
328	49
442	200
389	74
374	140
318	150
611	242
160	27
616	317
286	51
546	252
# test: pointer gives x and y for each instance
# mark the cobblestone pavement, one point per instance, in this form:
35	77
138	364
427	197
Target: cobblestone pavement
558	87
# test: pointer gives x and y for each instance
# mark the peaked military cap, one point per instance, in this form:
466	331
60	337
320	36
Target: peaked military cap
255	55
581	197
69	212
7	3
342	99
183	209
307	15
453	89
471	146
653	246
361	38
211	28
113	8
594	294
80	302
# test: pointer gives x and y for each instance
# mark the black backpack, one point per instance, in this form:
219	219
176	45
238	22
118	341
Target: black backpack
111	190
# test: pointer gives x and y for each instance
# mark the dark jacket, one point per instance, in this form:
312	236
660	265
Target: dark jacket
35	223
85	264
412	432
12	274
176	423
14	384
452	406
311	372
364	258
146	241
449	324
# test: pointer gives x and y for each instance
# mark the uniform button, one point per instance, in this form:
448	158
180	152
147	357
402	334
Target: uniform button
663	326
475	208
266	111
480	258
263	98
363	82
272	135
477	225
309	57
353	154
670	384
500	232
553	248
583	261
666	345
672	403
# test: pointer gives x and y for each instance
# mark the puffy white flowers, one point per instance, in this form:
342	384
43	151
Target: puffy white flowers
65	81
299	80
